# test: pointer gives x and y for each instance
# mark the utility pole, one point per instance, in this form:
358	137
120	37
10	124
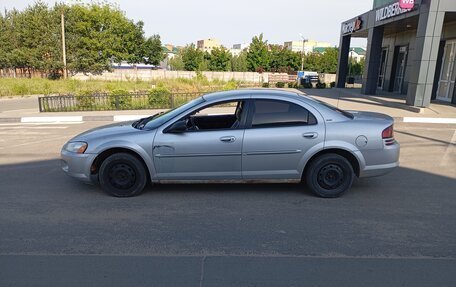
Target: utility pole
304	40
65	73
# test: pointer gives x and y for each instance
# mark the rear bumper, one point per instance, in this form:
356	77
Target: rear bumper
77	165
383	164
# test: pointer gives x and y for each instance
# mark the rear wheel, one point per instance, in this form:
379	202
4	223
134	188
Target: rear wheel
329	175
122	175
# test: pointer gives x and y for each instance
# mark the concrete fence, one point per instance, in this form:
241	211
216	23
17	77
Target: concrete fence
147	75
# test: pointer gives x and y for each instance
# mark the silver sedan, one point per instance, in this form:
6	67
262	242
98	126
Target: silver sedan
257	135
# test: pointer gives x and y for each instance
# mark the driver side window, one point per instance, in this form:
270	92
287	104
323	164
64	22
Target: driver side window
225	115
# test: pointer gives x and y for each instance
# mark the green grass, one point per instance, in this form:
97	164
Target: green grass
37	86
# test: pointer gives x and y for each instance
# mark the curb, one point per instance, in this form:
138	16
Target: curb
122	118
71	119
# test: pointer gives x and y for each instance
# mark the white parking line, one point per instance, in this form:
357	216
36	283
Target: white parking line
51	119
450	154
18	124
28	127
430	120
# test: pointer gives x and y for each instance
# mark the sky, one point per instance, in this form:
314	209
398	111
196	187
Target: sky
181	22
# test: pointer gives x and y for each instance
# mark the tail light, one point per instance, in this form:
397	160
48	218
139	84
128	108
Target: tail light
388	135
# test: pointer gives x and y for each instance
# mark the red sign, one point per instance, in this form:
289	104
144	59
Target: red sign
406	4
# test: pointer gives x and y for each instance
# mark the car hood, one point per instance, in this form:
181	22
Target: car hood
111	130
371	116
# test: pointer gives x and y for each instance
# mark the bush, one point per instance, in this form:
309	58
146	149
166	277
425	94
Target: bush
280	85
159	98
265	85
230	85
120	100
321	85
293	85
332	84
85	100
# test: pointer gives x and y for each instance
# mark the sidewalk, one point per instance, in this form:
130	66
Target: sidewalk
25	109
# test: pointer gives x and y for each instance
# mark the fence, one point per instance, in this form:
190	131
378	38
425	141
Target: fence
147	75
104	101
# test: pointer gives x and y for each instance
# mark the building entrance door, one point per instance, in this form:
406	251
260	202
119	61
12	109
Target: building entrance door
448	72
401	64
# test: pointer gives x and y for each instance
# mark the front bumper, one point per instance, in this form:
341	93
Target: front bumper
381	162
77	165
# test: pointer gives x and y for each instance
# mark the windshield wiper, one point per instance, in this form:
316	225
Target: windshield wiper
139	124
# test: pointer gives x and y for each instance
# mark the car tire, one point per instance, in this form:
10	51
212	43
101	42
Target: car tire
122	175
329	175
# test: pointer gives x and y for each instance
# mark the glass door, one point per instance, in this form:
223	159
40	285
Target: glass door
382	68
448	73
400	69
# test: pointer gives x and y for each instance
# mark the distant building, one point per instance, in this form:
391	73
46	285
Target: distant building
356	53
171	51
208	44
238	48
309	45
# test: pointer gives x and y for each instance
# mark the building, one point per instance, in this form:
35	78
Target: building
309	45
411	49
238	48
356	53
208	44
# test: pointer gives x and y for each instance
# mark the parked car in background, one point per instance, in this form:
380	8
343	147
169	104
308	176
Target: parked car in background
237	136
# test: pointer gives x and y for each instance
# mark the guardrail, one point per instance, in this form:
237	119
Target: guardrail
106	102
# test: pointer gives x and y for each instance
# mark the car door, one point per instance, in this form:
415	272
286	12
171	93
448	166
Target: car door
201	154
277	135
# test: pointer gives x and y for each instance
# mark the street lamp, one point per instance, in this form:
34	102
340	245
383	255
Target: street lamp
304	40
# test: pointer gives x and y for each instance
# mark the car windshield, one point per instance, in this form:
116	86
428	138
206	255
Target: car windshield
157	120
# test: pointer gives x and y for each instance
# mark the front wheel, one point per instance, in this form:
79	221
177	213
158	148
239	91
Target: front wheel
122	175
329	175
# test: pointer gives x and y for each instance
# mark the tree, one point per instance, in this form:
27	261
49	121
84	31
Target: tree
192	58
283	60
99	35
328	61
220	59
176	63
152	52
312	62
258	55
239	62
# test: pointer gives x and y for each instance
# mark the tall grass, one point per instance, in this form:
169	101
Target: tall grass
38	86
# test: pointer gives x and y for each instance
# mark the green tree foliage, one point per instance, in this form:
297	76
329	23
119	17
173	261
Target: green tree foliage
258	55
312	62
97	35
283	60
356	68
176	63
239	62
220	59
192	58
30	39
152	52
328	61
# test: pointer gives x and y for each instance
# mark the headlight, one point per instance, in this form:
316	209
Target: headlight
76	147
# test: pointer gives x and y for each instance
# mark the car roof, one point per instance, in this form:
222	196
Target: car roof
252	92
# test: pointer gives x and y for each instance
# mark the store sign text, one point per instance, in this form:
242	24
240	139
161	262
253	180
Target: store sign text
406	4
390	11
352	26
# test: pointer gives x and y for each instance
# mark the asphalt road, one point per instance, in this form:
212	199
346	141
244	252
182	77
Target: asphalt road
396	230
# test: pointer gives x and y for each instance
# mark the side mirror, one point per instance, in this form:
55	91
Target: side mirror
178	127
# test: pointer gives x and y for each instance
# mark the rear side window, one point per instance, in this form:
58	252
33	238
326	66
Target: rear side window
273	113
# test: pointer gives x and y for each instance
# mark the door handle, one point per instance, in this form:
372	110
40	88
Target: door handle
229	139
312	135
